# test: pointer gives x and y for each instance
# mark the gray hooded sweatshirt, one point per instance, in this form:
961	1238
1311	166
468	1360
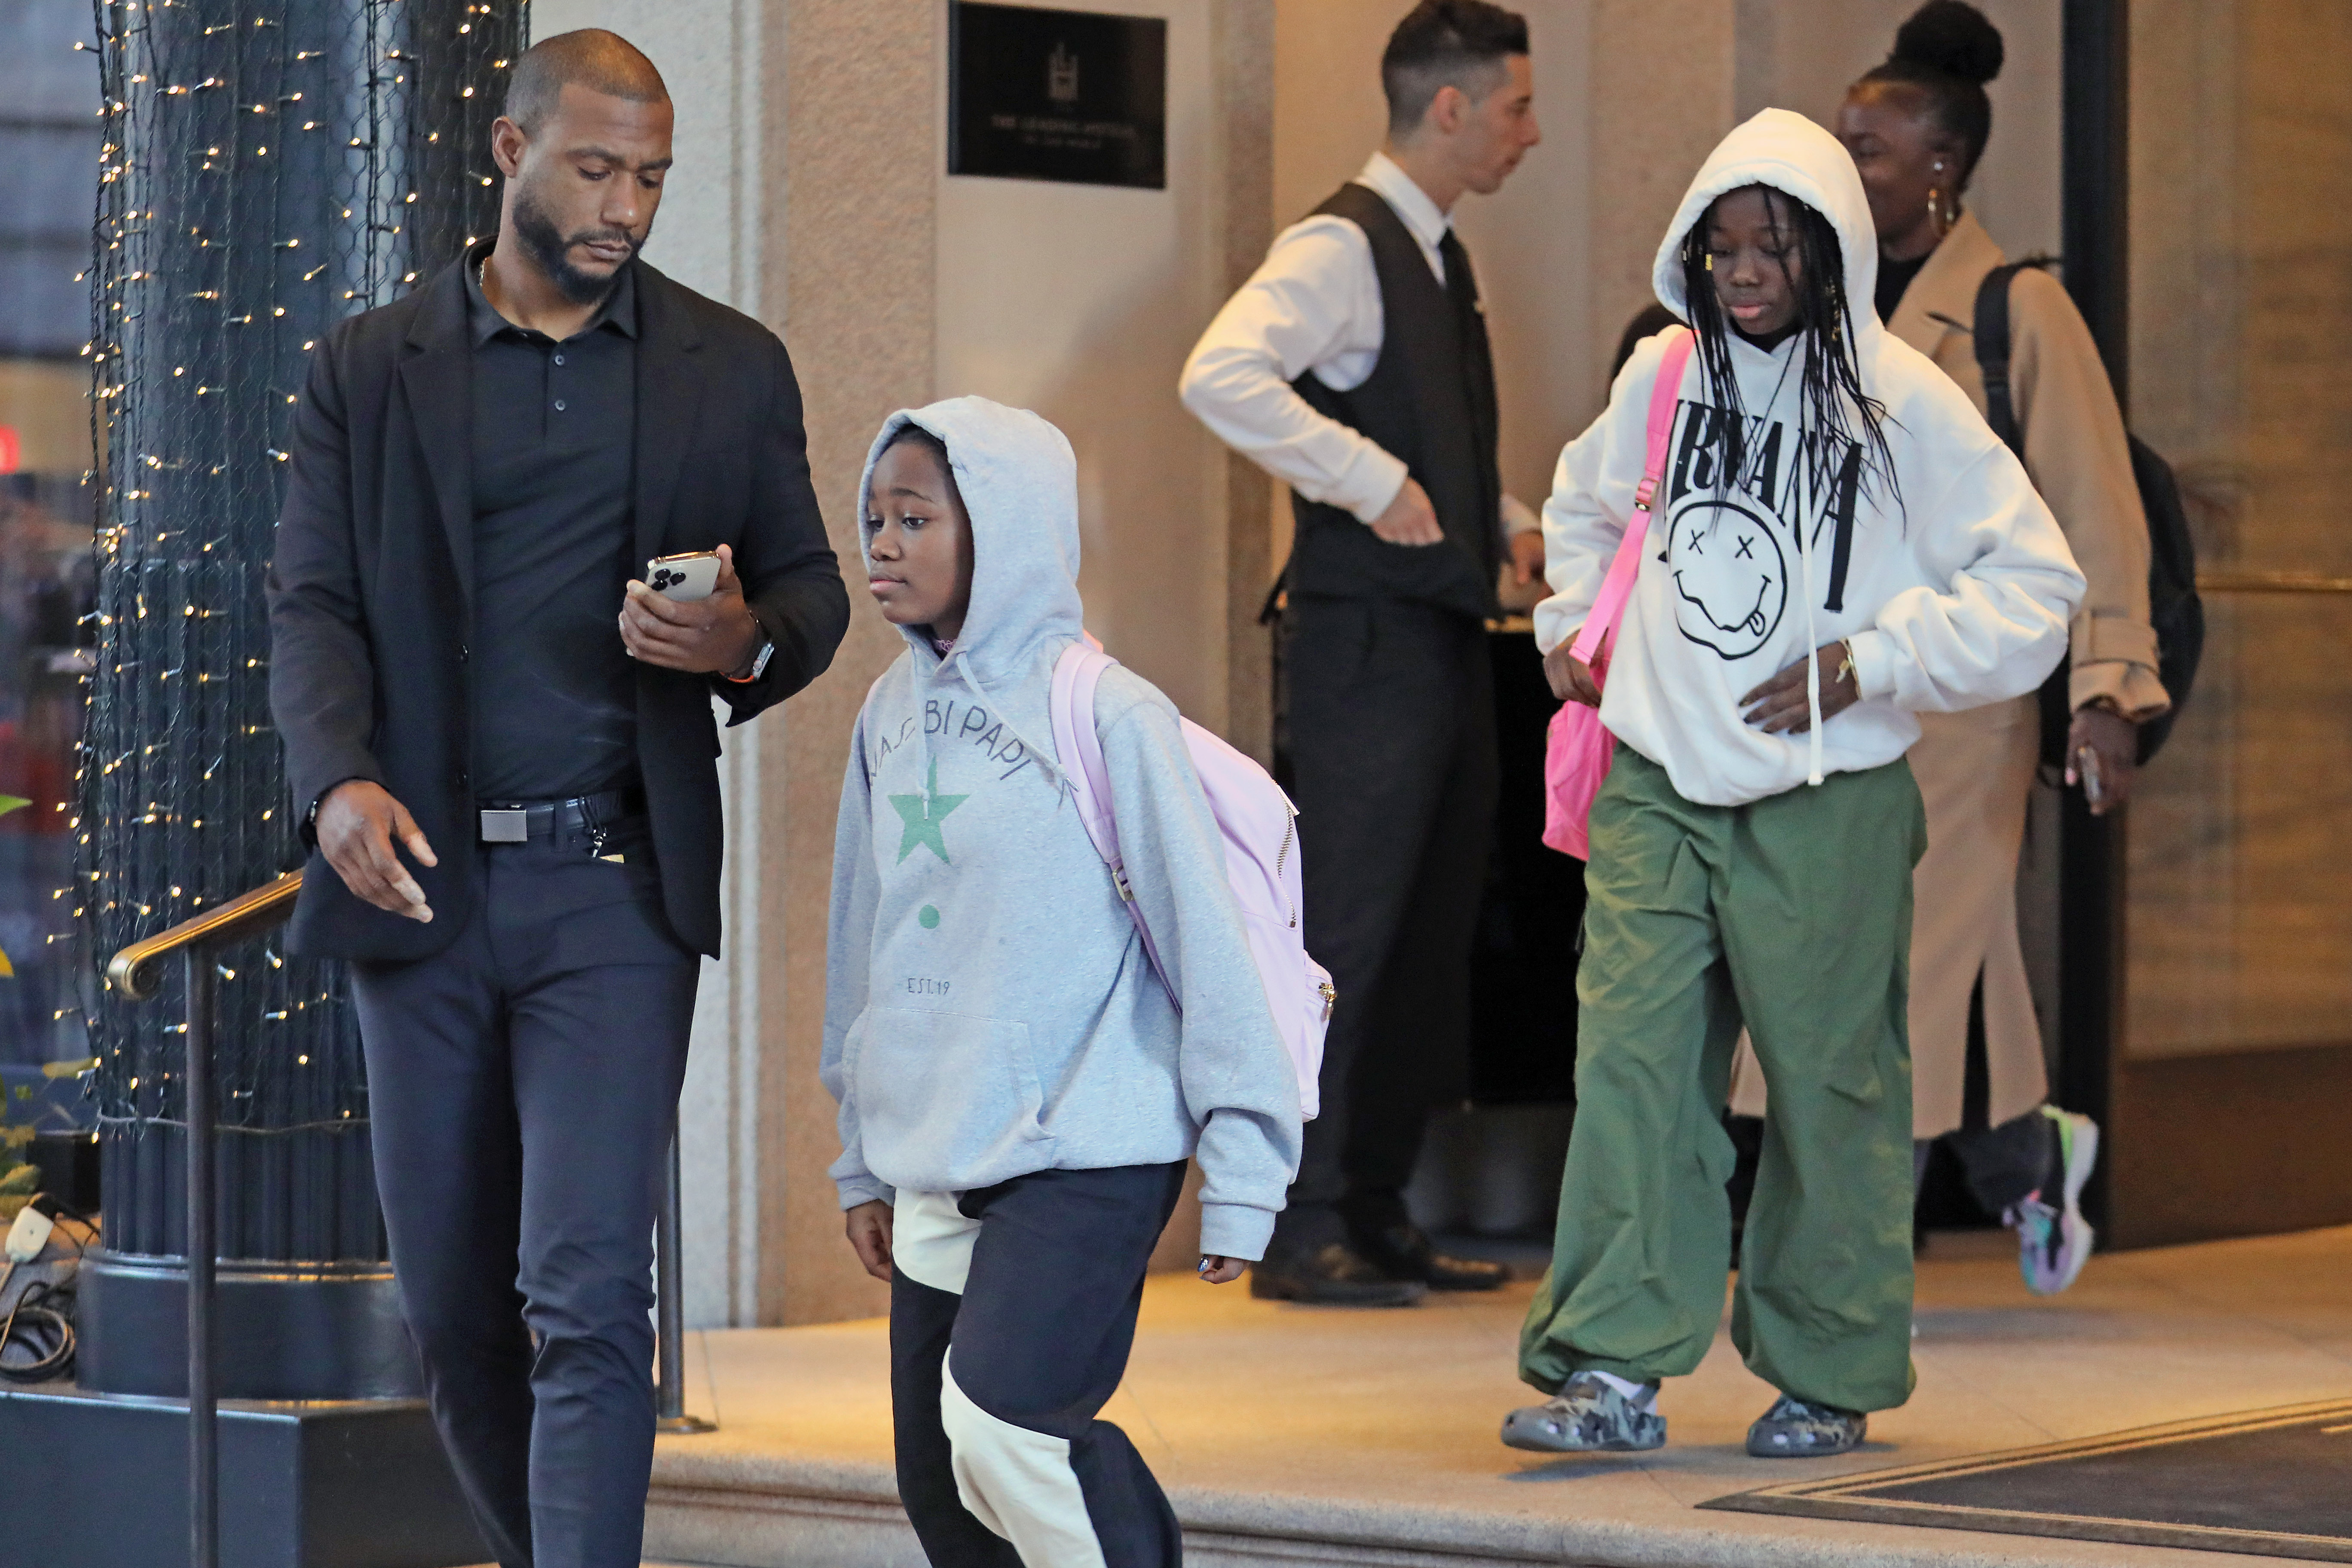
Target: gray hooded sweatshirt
989	1009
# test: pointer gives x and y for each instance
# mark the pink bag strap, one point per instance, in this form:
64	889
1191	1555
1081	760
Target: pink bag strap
1608	609
1079	745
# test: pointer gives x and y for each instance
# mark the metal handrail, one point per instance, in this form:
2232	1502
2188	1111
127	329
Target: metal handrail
669	1313
2271	583
137	972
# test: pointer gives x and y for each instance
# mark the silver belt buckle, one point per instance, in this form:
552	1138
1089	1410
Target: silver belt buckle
511	826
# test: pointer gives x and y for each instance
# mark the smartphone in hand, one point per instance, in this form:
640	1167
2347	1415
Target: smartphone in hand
683	578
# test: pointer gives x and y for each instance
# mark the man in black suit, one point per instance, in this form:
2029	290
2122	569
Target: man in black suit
502	745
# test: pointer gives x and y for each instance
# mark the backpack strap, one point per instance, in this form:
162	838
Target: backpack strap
1079	745
1991	335
1665	396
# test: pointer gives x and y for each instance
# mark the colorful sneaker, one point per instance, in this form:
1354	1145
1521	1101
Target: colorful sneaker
2053	1243
1587	1417
1794	1429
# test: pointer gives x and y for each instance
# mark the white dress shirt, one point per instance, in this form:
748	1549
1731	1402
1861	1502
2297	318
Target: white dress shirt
1313	304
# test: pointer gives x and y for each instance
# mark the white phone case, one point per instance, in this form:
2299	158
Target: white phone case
683	577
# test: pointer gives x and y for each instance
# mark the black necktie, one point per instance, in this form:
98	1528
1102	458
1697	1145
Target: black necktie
1477	373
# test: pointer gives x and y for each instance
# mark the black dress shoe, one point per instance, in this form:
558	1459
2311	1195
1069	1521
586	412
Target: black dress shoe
1333	1275
1404	1250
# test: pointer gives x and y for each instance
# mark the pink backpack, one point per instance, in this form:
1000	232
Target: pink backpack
1578	749
1261	834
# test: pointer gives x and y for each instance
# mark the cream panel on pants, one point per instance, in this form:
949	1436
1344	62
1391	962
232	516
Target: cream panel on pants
1018	1483
931	1239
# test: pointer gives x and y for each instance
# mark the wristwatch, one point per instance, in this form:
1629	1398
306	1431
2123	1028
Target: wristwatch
308	832
759	660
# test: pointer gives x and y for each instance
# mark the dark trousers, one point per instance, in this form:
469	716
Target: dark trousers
1390	727
523	1085
1039	1335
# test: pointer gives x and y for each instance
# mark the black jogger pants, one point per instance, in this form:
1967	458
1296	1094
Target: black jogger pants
1012	1313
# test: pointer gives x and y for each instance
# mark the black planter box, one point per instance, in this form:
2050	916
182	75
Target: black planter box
101	1481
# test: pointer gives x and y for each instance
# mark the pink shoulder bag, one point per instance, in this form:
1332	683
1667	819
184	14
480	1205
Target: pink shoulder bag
1578	749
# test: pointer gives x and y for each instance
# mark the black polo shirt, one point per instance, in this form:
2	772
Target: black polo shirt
555	710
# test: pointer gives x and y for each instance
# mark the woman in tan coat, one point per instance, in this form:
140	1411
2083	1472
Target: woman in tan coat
1916	127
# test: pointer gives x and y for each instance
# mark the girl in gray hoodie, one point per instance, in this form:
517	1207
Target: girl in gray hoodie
1018	1091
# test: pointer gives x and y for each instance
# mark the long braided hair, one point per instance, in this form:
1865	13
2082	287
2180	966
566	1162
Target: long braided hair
1834	409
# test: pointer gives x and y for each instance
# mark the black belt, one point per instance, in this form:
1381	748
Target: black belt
519	822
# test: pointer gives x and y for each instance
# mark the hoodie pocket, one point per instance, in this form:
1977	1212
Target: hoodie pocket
948	1102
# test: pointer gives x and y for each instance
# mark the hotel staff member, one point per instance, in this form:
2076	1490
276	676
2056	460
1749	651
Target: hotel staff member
1354	366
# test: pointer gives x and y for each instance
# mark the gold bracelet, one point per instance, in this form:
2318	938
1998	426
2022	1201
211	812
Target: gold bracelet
1845	665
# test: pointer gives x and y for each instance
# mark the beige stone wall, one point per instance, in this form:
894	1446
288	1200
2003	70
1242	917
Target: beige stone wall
1663	80
855	275
1526	242
1080	301
2242	198
1244	45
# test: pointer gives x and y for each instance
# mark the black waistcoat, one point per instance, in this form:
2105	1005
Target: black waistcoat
1430	401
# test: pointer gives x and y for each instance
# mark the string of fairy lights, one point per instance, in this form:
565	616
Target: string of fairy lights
269	167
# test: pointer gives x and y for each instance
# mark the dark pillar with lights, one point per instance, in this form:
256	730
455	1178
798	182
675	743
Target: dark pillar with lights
270	167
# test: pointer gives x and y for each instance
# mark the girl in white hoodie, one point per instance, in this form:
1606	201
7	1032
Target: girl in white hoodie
1839	542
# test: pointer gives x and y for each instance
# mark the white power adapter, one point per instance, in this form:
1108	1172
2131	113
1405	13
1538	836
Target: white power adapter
30	1233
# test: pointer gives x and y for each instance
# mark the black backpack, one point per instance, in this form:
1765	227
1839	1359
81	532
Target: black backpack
2173	607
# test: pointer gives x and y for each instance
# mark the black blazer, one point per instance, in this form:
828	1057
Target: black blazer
370	595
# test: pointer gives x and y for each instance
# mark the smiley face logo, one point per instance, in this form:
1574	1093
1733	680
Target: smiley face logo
1732	579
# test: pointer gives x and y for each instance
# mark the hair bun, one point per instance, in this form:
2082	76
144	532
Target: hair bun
1952	36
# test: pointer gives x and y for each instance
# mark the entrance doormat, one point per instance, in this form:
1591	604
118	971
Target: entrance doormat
2275	1482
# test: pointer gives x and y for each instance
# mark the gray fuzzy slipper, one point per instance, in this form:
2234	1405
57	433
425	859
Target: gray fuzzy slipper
1587	1417
1794	1429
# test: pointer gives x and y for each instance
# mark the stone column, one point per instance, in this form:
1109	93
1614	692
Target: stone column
860	136
1244	65
1662	87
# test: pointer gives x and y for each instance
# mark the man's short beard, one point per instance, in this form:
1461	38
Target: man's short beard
552	251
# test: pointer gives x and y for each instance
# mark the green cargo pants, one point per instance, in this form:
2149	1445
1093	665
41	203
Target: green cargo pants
1791	915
